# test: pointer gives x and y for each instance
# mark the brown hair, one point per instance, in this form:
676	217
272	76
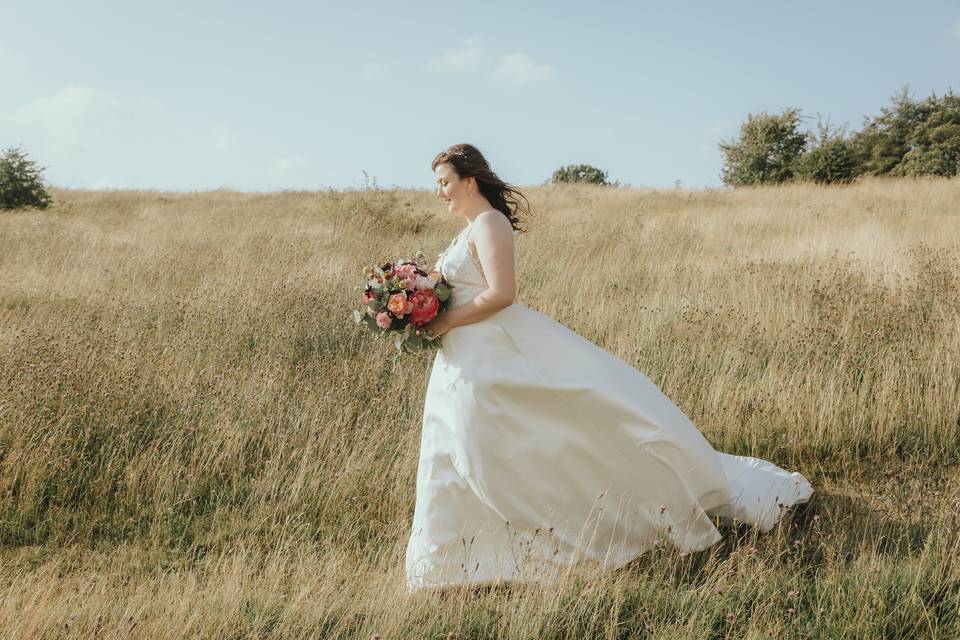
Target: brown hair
468	162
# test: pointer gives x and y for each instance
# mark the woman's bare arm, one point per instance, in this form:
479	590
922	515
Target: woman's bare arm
492	235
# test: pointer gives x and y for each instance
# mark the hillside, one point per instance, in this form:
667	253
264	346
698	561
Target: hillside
196	440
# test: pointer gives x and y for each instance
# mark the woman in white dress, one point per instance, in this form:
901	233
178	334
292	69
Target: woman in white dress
540	451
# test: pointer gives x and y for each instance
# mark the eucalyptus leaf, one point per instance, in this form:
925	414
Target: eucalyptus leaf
412	342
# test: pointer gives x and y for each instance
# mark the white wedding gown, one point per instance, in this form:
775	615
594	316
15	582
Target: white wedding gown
542	452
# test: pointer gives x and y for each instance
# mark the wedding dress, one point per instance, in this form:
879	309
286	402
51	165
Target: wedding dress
541	451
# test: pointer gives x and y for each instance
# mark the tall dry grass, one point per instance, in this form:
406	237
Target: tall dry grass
197	441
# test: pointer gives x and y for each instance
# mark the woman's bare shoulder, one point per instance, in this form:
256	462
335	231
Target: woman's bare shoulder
493	221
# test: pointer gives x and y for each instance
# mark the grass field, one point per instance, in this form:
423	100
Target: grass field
197	441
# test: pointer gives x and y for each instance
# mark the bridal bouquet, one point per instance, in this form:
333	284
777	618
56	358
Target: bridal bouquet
400	297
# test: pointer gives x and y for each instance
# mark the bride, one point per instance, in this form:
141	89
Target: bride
541	451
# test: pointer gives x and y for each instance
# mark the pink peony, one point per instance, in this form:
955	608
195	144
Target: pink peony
406	272
425	306
398	304
383	320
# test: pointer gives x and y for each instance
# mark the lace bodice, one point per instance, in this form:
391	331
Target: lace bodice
461	269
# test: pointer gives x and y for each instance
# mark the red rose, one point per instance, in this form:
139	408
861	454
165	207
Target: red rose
425	306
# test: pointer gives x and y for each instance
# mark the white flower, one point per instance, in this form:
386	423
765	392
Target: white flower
423	282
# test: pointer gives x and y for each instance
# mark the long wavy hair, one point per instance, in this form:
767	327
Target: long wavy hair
468	162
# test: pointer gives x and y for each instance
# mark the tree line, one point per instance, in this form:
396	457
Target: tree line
911	137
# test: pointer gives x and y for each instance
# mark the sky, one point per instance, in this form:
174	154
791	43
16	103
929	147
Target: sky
259	96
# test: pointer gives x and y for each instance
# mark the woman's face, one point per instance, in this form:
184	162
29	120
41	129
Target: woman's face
451	188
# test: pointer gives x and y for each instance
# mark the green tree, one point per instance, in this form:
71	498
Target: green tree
885	139
830	157
912	137
766	151
579	173
934	143
21	181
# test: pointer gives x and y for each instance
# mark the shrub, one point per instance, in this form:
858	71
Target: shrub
830	158
21	182
766	151
935	142
885	139
580	173
912	137
909	138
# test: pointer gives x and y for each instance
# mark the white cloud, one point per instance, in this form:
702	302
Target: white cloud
288	167
514	68
65	124
469	56
520	69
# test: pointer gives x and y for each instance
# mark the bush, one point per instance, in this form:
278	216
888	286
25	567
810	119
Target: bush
21	182
580	173
909	138
913	137
885	139
766	151
831	157
935	141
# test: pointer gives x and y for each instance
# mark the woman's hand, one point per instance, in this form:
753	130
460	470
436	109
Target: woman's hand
438	326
